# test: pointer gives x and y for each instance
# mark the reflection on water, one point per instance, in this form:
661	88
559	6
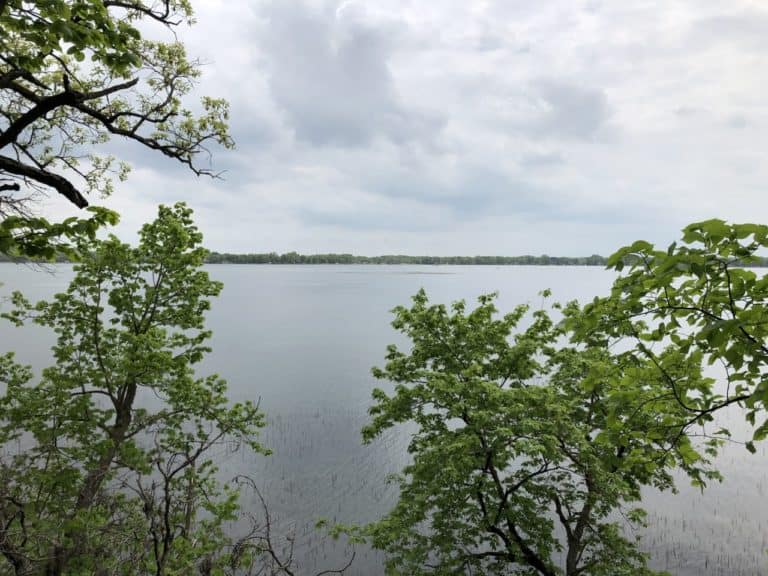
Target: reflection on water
302	340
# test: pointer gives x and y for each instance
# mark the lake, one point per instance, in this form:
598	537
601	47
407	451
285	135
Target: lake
302	340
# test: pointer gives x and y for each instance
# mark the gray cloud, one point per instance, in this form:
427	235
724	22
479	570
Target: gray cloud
542	160
421	127
366	220
570	110
687	111
746	27
420	203
329	73
737	121
475	192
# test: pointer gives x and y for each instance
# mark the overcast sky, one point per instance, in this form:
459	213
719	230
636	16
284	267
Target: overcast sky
472	127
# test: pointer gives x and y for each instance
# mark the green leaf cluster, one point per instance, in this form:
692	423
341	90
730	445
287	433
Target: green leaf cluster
37	238
73	75
108	461
527	442
701	296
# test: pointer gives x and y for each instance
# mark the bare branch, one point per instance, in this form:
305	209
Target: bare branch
260	539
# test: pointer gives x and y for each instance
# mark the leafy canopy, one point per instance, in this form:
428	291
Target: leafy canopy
39	239
107	459
701	296
76	73
524	447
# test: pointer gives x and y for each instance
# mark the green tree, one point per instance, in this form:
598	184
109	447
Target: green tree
75	73
107	464
37	238
524	449
701	296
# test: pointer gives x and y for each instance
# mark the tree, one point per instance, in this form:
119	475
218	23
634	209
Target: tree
75	73
702	297
113	473
39	239
518	440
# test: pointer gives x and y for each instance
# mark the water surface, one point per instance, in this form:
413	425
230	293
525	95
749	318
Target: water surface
302	340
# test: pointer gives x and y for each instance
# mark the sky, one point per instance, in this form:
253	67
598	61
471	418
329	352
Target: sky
467	127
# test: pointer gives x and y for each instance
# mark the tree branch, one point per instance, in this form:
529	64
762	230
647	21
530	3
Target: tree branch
162	17
67	98
58	183
12	133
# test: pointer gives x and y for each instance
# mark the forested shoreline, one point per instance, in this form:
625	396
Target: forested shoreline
394	259
296	258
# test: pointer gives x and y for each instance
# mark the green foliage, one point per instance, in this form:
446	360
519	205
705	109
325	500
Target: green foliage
108	460
73	75
699	296
524	448
38	239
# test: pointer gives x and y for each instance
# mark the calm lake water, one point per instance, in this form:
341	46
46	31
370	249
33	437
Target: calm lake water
302	340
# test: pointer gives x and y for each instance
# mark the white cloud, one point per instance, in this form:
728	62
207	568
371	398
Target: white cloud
477	126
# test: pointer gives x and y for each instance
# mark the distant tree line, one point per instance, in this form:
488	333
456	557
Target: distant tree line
527	260
296	258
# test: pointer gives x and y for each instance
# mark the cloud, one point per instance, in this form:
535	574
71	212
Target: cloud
570	110
328	72
737	121
542	160
391	220
483	126
736	26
